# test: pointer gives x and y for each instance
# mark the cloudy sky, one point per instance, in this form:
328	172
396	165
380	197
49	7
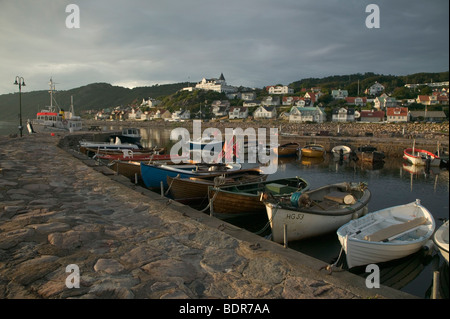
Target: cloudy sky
252	42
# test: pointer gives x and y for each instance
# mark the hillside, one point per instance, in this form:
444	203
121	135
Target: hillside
90	97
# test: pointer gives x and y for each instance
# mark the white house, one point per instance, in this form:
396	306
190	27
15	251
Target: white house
277	89
384	101
265	112
217	85
375	89
238	112
150	102
248	96
307	114
181	115
270	101
136	114
343	115
397	114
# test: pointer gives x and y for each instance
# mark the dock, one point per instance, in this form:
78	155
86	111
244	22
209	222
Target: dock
62	214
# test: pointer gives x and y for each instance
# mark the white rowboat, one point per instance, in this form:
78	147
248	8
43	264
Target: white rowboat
387	234
440	238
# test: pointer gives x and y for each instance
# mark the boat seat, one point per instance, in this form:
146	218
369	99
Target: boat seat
390	231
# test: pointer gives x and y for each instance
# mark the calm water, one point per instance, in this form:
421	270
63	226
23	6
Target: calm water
394	183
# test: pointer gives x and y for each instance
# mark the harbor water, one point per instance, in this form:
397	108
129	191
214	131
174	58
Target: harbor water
392	183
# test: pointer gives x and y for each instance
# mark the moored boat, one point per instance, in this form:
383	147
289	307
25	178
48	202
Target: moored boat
341	151
440	238
128	135
420	157
287	149
235	200
53	117
369	153
85	146
316	212
153	174
386	234
194	190
313	150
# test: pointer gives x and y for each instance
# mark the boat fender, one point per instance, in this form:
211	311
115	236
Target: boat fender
428	247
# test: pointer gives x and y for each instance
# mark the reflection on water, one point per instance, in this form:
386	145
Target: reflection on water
391	183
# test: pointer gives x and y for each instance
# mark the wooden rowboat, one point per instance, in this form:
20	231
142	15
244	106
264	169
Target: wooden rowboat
313	150
370	154
420	157
387	234
194	190
288	149
316	212
235	200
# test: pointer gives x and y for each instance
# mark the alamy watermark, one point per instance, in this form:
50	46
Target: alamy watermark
373	19
73	280
259	150
73	19
373	279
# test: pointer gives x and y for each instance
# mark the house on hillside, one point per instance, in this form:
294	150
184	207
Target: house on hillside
220	108
248	96
339	94
372	116
356	100
397	114
238	112
217	85
270	101
150	102
343	115
181	115
136	115
375	89
300	114
384	101
161	114
277	89
265	112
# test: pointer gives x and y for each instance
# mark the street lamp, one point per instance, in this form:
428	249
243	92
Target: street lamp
20	81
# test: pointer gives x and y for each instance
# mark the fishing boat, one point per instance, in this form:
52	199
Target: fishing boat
131	155
386	234
194	190
128	135
341	151
154	174
313	150
316	212
421	157
440	238
235	200
117	145
287	149
53	117
368	153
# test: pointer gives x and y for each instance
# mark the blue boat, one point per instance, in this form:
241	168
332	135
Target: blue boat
154	174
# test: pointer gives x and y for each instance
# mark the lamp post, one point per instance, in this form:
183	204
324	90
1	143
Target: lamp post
20	81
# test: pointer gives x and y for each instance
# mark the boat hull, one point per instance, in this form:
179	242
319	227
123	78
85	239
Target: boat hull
246	199
153	175
419	157
289	149
195	190
306	222
440	238
362	252
313	151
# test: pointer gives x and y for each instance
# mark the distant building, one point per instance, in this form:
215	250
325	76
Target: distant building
428	116
271	101
265	112
375	89
372	116
358	101
277	89
300	114
339	94
397	114
238	112
384	101
343	115
217	85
